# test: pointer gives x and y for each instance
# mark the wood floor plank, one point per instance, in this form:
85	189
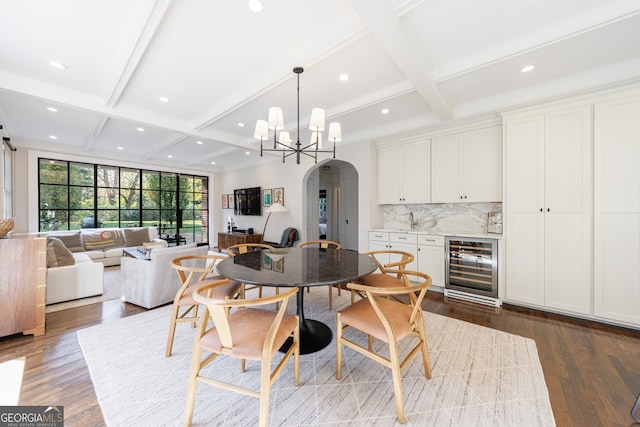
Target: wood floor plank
592	370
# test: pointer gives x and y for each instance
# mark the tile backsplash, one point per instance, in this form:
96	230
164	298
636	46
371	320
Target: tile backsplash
441	217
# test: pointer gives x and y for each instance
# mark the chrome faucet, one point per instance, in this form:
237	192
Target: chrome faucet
411	221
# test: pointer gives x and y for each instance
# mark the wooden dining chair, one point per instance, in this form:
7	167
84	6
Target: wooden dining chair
390	321
248	333
243	248
194	271
324	244
383	279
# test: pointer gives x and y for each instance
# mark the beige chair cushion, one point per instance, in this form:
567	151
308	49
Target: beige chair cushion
58	255
362	316
247	342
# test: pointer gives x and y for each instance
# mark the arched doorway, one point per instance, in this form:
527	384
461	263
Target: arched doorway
332	203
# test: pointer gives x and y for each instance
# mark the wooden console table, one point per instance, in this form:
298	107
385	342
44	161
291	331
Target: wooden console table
23	275
229	239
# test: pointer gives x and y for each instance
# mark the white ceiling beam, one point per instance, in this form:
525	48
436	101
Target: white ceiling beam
380	18
131	57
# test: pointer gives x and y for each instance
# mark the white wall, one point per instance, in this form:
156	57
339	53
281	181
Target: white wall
293	177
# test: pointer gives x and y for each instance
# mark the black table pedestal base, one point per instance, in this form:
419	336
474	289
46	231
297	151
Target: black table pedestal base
314	336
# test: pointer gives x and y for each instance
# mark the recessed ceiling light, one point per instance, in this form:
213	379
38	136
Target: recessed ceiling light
170	156
120	148
240	124
199	142
52	109
58	65
247	152
213	163
527	68
255	5
164	99
385	111
53	137
344	77
140	129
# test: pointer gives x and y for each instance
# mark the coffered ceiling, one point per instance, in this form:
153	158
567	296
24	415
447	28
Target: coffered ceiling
220	65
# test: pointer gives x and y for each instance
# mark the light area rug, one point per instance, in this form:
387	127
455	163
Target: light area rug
481	377
112	289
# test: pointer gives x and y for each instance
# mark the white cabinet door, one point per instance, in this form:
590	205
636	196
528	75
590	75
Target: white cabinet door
568	201
389	176
617	210
403	173
482	165
416	172
548	210
446	169
431	262
467	167
524	220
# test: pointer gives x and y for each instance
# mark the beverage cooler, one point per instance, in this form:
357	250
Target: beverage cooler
471	271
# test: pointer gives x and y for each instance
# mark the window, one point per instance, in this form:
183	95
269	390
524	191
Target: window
76	195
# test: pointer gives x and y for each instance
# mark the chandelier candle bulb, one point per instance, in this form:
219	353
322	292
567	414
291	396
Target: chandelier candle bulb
335	133
316	123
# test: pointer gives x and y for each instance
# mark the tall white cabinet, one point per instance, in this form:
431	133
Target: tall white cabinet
548	205
404	173
617	210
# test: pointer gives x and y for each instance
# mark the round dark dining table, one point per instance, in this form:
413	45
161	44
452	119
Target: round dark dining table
300	267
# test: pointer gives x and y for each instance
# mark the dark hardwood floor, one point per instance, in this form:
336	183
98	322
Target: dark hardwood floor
592	370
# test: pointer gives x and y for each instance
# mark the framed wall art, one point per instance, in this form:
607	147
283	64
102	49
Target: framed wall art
266	197
225	201
232	201
278	195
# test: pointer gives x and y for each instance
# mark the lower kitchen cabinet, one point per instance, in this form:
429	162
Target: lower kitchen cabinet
431	257
428	251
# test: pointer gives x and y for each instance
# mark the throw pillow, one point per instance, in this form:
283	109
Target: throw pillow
73	242
58	255
100	239
136	236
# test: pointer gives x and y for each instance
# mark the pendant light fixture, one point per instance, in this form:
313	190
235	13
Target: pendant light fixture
281	138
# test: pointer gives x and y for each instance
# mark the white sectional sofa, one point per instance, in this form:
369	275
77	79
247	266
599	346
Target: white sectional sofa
105	245
76	270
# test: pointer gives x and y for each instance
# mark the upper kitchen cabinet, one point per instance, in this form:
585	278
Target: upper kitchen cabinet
403	173
548	201
467	167
616	263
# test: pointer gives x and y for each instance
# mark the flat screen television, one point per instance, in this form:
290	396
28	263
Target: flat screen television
247	201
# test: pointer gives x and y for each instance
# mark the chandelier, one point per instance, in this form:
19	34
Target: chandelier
281	139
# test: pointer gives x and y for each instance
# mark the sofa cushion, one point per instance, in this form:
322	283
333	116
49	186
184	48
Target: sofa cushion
73	241
113	253
136	236
102	239
58	255
95	254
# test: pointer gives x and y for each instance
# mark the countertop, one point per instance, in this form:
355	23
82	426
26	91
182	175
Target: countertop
440	232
